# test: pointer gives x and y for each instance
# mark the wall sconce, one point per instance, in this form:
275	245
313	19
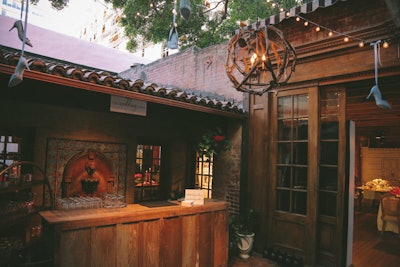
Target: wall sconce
259	60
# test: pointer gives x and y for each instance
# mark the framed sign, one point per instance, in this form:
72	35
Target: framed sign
128	105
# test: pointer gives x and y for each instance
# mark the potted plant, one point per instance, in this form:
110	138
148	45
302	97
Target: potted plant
242	232
212	142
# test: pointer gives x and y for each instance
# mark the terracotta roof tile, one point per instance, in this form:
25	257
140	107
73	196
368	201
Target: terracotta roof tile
51	66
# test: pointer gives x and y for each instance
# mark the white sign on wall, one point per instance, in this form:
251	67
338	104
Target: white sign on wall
128	105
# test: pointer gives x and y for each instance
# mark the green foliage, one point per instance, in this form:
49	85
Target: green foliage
144	23
57	4
154	22
212	142
244	224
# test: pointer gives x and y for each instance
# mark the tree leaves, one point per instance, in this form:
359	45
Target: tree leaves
147	22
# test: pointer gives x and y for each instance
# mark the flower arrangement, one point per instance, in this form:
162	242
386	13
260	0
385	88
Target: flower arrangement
395	191
138	177
377	183
212	142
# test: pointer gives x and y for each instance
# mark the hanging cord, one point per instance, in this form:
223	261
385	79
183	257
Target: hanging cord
174	17
25	26
375	89
22	9
173	33
22	64
377	58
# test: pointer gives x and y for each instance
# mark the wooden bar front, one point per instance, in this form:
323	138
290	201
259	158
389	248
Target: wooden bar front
158	234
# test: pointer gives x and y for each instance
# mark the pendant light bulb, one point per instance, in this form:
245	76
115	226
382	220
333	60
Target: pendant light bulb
385	44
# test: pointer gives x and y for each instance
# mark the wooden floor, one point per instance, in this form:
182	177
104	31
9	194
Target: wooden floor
370	247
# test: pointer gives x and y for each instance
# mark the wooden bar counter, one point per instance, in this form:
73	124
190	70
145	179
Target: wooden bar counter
144	235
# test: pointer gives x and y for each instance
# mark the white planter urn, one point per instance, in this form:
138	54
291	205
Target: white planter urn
245	244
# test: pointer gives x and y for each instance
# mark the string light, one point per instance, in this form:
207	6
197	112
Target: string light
318	28
385	44
346	37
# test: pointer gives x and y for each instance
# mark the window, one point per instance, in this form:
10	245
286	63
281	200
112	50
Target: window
10	148
292	160
329	147
204	174
148	171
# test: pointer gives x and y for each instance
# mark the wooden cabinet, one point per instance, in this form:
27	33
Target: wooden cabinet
153	234
20	224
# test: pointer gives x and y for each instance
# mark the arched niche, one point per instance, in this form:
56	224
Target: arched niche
87	173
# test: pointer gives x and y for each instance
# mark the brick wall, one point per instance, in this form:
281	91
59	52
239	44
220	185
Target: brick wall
227	170
201	70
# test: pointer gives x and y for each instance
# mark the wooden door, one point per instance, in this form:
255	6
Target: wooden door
307	175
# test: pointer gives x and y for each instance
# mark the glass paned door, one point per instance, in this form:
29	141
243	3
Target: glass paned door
329	147
292	159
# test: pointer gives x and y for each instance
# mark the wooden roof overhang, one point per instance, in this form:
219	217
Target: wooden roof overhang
125	88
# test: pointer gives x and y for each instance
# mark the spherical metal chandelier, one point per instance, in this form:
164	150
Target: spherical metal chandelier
259	60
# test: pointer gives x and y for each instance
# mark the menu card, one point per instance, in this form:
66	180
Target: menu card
195	195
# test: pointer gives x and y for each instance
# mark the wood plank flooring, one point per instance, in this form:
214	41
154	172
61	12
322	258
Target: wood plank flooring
370	247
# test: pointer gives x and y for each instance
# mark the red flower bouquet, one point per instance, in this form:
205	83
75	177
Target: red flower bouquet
395	191
219	138
212	142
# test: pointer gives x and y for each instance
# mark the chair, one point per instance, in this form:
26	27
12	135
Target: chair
390	206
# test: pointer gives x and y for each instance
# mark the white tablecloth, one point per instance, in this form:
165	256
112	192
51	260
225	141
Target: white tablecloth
389	226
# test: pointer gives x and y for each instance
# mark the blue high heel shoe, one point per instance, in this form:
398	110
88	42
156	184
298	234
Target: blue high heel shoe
378	98
17	76
20	29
